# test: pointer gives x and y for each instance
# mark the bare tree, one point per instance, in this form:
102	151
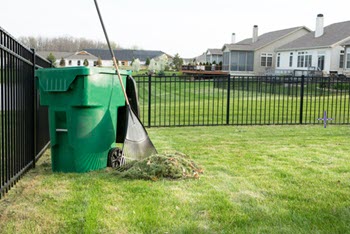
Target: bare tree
64	43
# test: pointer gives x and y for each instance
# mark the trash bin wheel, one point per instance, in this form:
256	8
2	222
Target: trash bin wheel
115	158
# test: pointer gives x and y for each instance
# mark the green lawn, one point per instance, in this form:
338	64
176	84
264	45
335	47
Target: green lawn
261	179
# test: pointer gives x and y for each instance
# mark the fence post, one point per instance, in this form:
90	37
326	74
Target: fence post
149	99
34	109
228	99
301	99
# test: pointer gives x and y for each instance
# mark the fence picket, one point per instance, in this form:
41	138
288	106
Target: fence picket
24	125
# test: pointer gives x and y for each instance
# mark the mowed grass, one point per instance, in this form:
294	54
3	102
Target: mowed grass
261	179
181	102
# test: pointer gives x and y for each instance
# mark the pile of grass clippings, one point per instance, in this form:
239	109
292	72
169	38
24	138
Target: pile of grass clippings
159	166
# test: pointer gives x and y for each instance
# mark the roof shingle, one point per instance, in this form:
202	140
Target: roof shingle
263	40
333	34
215	51
125	55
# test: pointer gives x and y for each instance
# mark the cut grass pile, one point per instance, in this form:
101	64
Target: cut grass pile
260	179
161	166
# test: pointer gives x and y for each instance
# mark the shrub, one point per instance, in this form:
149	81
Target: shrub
341	86
86	63
62	62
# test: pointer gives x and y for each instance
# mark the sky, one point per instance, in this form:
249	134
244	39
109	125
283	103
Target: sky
186	27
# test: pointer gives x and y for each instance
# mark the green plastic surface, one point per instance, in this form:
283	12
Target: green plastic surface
83	105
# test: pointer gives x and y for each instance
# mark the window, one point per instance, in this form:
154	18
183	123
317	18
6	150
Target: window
226	61
208	60
320	62
341	59
78	63
291	59
304	59
266	60
278	59
348	58
234	61
300	59
242	61
308	60
70	62
250	61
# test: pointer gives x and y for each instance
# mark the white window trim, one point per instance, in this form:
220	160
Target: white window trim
266	55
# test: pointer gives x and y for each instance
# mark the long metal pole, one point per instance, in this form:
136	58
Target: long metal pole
112	54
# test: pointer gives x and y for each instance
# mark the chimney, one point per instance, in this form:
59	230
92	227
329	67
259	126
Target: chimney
233	38
319	25
255	34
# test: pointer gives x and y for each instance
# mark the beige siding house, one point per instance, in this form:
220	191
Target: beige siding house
257	55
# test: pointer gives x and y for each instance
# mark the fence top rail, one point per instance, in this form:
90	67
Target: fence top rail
263	78
13	38
2	30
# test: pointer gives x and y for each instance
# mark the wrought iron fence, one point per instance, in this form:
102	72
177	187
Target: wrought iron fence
24	128
224	100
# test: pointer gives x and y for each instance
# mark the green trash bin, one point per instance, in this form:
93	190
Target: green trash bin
83	104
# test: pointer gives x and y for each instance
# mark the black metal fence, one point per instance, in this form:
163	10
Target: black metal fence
24	124
224	100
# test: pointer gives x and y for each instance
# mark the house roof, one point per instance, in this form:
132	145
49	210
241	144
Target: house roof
347	43
333	34
214	51
68	55
126	55
58	55
82	55
201	58
187	60
263	40
239	47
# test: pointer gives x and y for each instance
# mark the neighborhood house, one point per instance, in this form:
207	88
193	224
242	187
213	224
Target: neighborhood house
291	51
256	55
325	50
124	57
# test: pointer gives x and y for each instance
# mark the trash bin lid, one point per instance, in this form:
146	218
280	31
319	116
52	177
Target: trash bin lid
59	79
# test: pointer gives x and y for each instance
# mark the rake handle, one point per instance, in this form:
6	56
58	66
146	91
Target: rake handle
112	54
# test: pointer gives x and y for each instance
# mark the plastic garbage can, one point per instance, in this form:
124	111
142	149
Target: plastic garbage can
83	104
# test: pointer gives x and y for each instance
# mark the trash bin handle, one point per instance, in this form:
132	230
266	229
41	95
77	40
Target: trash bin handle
112	54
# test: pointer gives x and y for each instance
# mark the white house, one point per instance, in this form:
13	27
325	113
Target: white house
325	50
71	59
126	56
347	58
214	55
256	55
